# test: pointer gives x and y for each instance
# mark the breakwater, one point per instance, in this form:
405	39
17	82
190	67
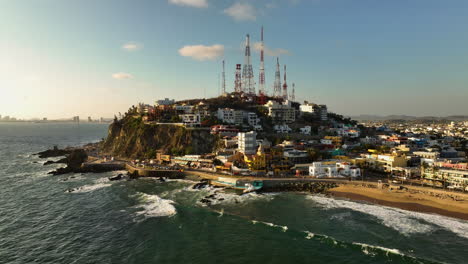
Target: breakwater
296	185
145	172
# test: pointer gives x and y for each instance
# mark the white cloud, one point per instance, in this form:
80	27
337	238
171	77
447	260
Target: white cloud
201	52
270	52
241	12
132	46
193	3
122	76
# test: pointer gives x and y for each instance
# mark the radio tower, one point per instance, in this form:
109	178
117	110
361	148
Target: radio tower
238	79
277	85
223	82
248	84
261	74
285	86
293	93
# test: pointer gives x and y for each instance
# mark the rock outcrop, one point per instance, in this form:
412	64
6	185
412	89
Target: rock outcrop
132	138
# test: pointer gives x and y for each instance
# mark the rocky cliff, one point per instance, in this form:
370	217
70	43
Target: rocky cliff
132	138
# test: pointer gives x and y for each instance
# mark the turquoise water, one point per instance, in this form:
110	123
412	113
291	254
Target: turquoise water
145	221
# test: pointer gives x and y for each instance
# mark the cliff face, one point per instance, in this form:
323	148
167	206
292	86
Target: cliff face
131	138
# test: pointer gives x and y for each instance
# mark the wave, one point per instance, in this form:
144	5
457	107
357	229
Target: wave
371	249
284	228
403	221
154	206
98	184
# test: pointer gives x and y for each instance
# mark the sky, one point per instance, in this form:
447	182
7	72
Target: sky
60	58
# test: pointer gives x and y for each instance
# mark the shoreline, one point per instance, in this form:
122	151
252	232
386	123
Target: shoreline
416	202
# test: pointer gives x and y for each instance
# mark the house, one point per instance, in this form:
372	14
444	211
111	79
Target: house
334	169
191	120
224	130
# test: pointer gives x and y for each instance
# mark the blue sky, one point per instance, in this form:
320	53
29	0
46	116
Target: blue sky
60	58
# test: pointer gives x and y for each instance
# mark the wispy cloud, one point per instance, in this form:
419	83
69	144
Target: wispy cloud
132	46
270	52
241	12
201	52
122	76
192	3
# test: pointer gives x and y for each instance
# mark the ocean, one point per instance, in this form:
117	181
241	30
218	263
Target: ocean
146	221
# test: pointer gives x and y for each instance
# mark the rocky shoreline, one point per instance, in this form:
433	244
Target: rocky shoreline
74	159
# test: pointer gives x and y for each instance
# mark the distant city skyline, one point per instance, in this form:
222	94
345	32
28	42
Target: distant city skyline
61	59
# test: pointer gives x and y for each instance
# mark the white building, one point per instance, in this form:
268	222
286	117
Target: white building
186	109
282	129
334	169
305	130
230	116
252	119
326	141
319	110
247	142
144	108
281	113
191	120
165	101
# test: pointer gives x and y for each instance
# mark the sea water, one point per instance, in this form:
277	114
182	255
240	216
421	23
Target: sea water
147	221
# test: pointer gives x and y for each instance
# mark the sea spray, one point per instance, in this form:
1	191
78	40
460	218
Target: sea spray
152	205
403	221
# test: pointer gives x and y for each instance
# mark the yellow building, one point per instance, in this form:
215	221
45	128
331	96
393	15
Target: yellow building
384	162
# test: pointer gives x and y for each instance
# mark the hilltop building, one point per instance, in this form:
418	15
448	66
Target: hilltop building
165	101
230	116
281	113
318	110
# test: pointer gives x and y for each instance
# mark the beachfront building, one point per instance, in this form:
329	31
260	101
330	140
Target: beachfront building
334	169
445	177
384	162
247	142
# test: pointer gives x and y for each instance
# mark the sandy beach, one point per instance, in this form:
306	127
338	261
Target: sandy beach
414	199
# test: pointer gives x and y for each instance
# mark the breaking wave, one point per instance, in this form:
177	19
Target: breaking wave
284	228
98	184
403	221
154	206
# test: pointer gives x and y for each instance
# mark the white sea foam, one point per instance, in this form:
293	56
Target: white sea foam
98	184
154	206
284	228
222	197
405	222
370	249
309	234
